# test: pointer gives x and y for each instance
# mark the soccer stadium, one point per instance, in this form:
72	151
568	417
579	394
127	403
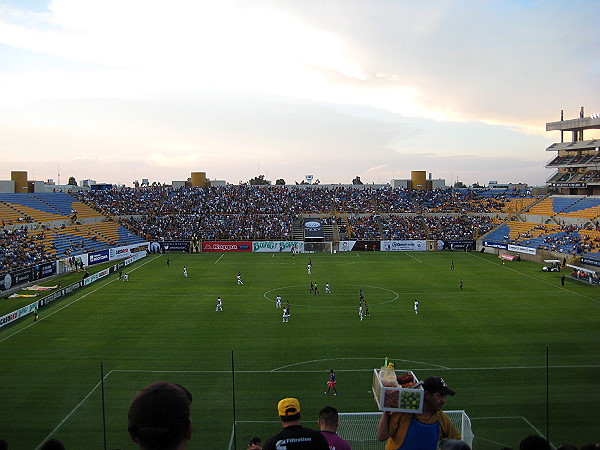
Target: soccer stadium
246	295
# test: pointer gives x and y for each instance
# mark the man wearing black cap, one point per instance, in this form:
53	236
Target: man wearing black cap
294	436
419	431
159	417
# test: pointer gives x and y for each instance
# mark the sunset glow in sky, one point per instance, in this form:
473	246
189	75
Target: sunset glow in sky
117	91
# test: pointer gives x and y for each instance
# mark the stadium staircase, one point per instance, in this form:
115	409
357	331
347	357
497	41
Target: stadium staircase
298	230
328	232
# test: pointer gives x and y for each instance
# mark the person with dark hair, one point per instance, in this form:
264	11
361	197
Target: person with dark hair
534	442
294	436
328	424
255	443
52	444
425	430
453	444
159	417
331	383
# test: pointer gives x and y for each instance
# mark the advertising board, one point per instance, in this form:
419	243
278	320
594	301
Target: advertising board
245	246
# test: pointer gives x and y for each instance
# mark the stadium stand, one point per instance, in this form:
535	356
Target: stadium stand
67	224
31	208
543	208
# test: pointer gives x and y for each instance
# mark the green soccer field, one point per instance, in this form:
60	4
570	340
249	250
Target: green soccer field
488	341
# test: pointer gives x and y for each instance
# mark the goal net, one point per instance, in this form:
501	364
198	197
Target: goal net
360	429
318	247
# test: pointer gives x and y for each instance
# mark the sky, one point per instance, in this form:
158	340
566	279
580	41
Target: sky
122	90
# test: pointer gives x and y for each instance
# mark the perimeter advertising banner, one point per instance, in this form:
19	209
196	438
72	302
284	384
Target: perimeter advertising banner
358	246
278	246
521	249
346	246
492	244
225	246
456	244
67	290
98	257
590	261
18	313
404	246
119	253
168	246
46	269
17	277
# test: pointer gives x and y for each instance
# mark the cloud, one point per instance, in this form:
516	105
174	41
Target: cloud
338	88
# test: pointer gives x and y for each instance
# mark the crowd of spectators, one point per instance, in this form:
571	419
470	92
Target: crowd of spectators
211	227
19	250
569	240
458	227
244	199
267	212
404	227
243	212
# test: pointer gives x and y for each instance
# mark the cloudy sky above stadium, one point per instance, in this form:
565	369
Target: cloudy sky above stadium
120	90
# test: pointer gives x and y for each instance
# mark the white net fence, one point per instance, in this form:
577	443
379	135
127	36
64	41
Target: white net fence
360	429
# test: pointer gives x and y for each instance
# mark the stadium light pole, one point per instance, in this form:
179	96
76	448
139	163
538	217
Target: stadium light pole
547	395
233	394
103	406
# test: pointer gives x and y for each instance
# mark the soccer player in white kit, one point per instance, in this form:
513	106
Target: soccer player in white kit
327	290
309	267
416	306
185	271
239	278
278	301
219	305
286	315
360	311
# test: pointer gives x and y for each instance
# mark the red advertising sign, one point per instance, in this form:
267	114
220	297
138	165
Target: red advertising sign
227	246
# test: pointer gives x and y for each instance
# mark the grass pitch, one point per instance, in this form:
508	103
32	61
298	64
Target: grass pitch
487	341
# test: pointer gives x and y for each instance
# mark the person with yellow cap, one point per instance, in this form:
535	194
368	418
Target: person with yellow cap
294	436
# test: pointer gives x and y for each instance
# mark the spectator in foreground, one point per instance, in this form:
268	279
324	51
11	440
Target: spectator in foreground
422	431
534	442
159	417
255	443
294	436
453	444
52	444
328	424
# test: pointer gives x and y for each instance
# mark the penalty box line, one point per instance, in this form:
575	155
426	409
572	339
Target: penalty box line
301	371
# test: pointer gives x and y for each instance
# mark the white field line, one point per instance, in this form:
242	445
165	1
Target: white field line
219	258
106	283
279	370
72	412
350	370
540	280
283	369
414	257
529	424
